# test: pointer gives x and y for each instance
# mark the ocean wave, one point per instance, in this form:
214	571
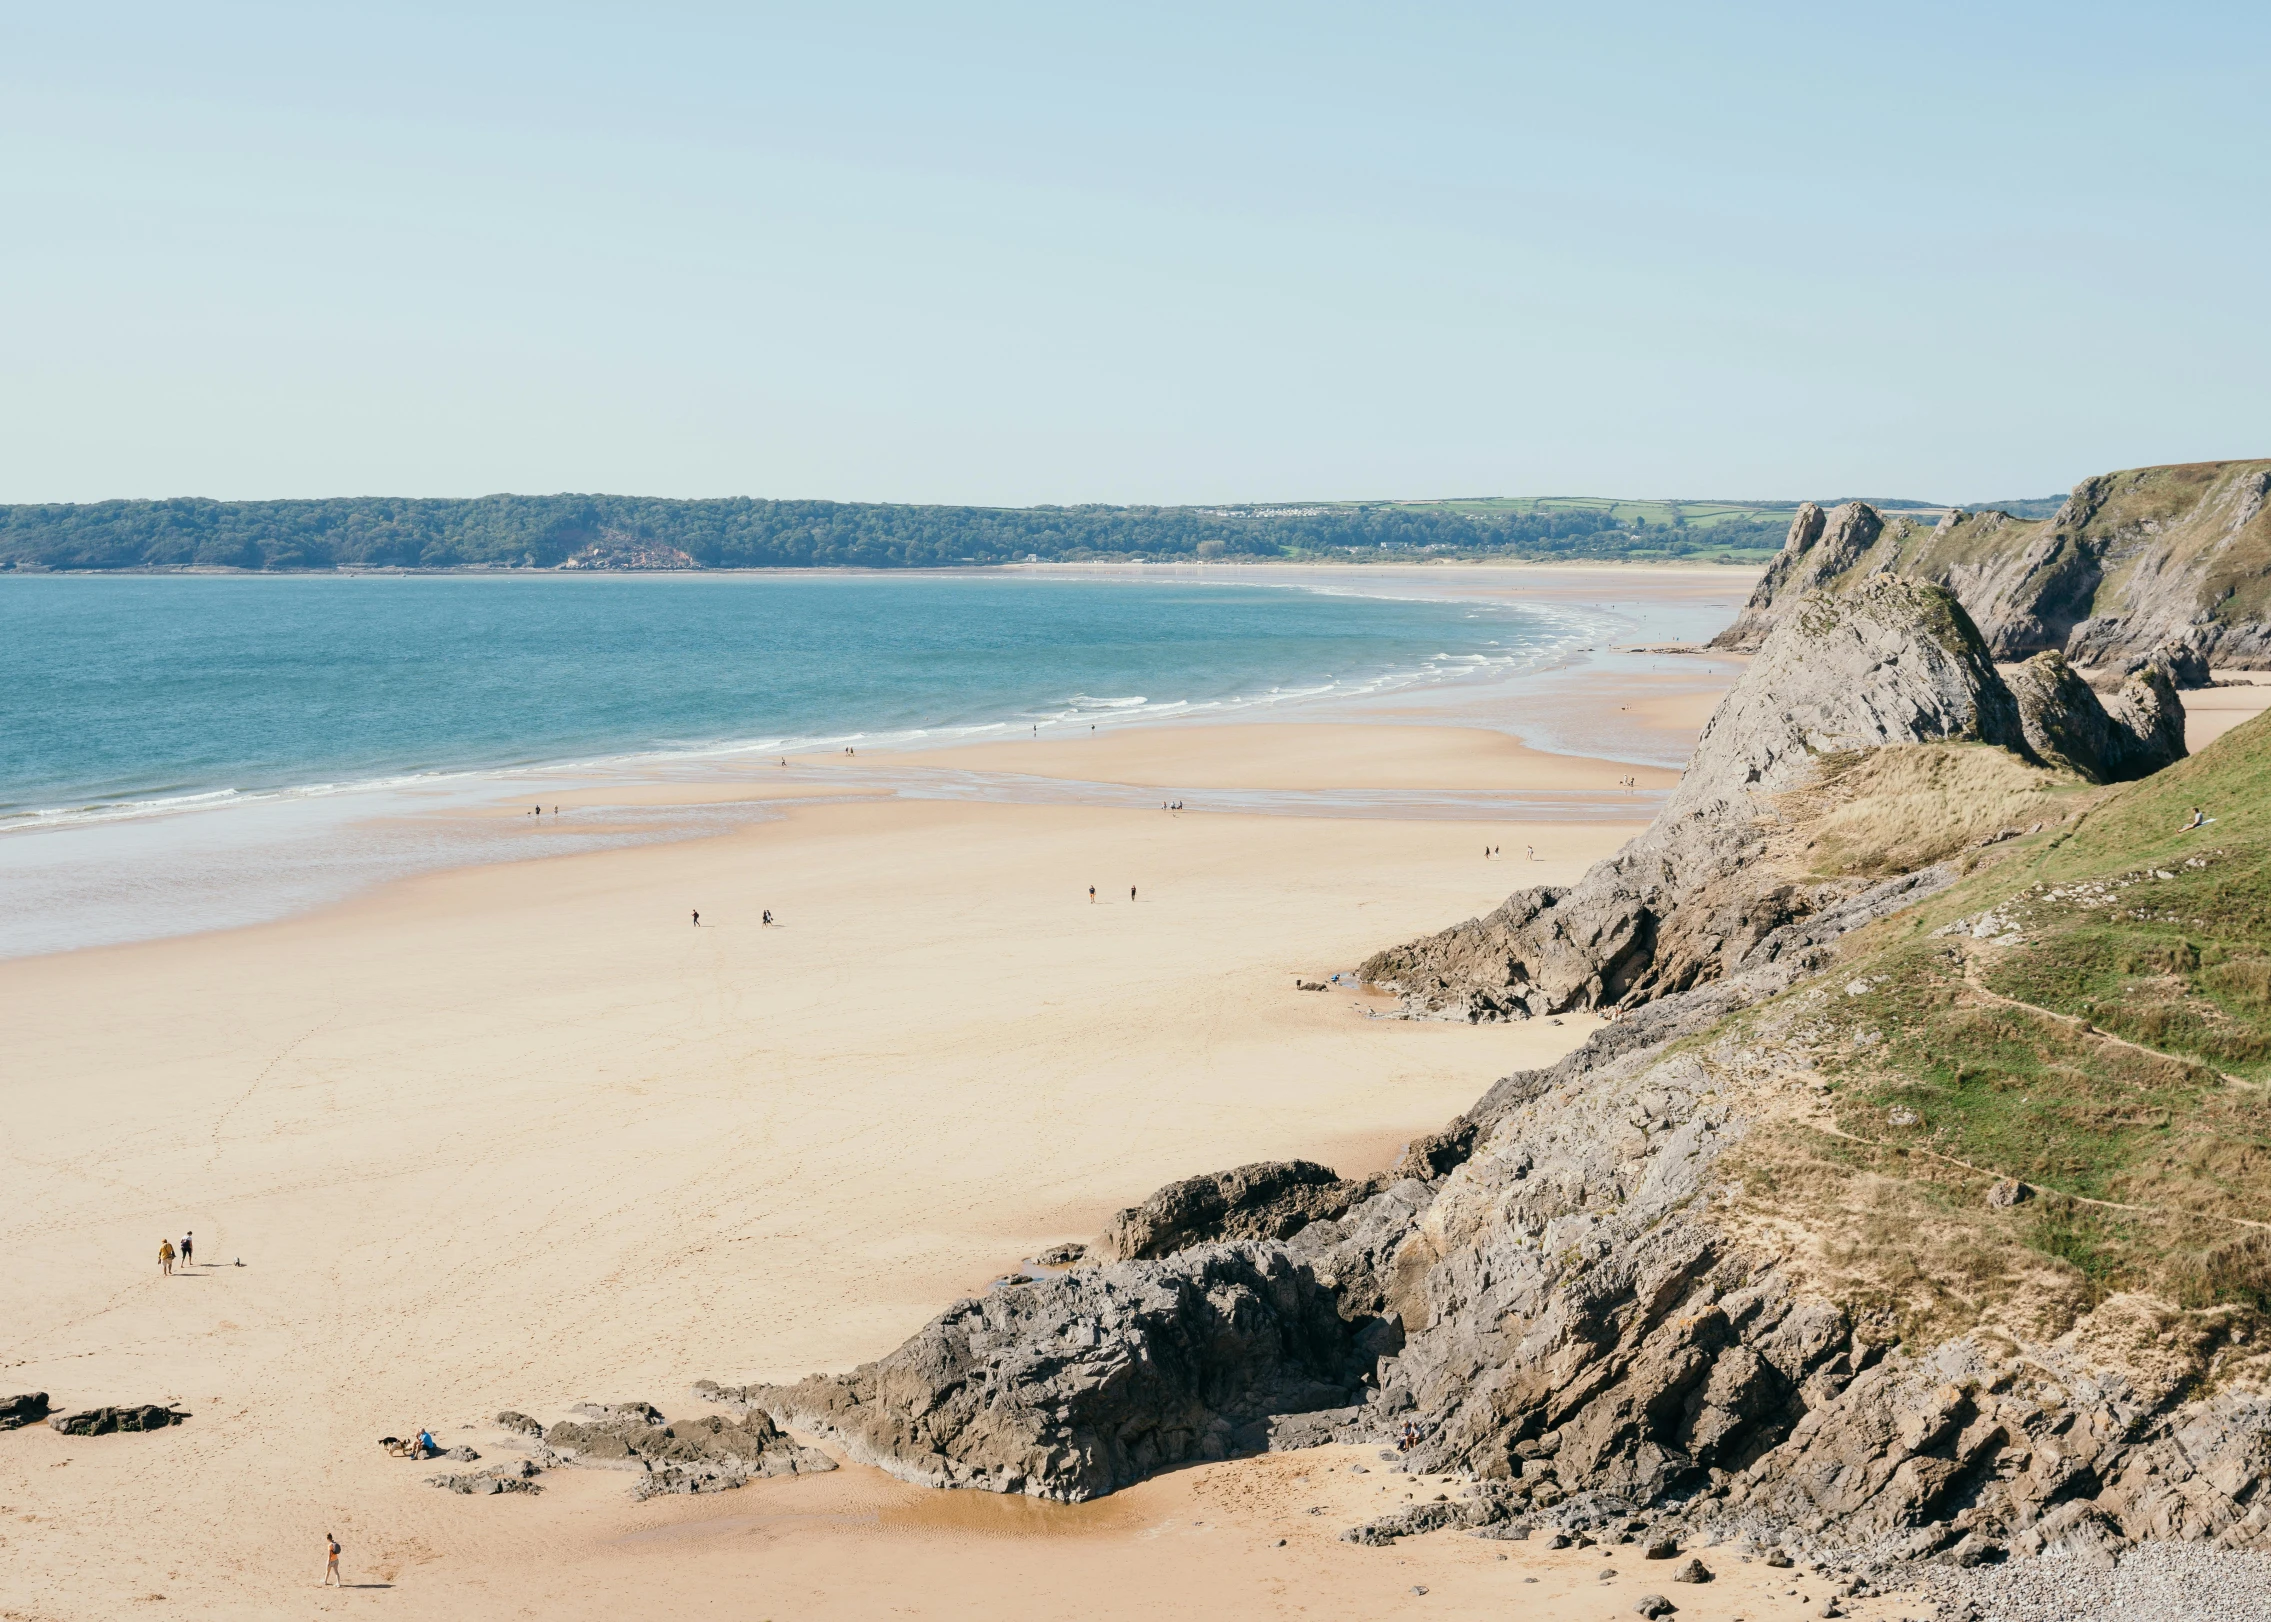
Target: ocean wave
1561	635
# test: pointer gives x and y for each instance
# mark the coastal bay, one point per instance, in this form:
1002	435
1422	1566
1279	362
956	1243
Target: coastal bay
520	1134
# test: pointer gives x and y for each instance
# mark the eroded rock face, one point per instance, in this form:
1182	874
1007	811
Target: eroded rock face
1693	898
706	1454
2136	733
139	1416
2132	563
1266	1200
1549	1291
27	1408
1584	1336
1075	1386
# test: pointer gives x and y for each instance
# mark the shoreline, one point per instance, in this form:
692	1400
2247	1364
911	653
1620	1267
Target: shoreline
519	1136
222	860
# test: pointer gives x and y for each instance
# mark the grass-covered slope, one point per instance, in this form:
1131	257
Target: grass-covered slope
2088	1013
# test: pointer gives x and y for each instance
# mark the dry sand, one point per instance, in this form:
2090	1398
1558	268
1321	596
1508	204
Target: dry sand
517	1136
2211	712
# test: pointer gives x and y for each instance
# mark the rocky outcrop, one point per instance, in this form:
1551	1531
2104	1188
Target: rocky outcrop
1695	897
516	1476
27	1408
1267	1200
2132	564
1075	1386
1564	1294
706	1454
1585	1337
2136	733
142	1416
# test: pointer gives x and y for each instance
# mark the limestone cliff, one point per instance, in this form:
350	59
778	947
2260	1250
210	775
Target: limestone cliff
1705	888
1927	1221
2133	563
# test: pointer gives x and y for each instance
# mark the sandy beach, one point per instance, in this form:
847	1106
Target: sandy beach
522	1135
518	1136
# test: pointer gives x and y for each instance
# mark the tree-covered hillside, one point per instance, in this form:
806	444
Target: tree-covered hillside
631	531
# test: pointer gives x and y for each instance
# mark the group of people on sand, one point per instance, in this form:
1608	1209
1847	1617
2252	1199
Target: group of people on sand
1492	852
167	1255
764	922
1092	894
1170	805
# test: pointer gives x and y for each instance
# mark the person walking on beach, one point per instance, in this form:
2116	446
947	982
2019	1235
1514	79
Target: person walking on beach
165	1257
768	920
1131	892
1092	895
188	1247
331	1562
697	917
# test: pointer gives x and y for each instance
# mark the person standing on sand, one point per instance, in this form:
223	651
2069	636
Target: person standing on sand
1131	892
1092	895
165	1257
331	1562
188	1247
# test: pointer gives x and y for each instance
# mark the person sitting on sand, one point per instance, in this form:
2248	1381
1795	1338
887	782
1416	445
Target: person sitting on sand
427	1446
165	1257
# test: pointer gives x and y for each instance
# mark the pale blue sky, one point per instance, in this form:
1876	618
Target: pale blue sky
1064	253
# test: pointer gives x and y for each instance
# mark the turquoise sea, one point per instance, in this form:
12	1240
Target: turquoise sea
180	752
125	696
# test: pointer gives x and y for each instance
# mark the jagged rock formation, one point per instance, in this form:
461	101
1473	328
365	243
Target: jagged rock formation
2137	732
2135	563
27	1408
1697	895
1076	1386
707	1454
1573	1293
136	1416
515	1476
1267	1200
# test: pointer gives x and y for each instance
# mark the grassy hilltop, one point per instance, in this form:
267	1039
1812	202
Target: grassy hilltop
2089	1013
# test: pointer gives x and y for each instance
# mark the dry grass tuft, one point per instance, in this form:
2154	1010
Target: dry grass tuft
1869	814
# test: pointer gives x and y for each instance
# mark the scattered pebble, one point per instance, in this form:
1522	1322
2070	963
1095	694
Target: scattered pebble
2155	1582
